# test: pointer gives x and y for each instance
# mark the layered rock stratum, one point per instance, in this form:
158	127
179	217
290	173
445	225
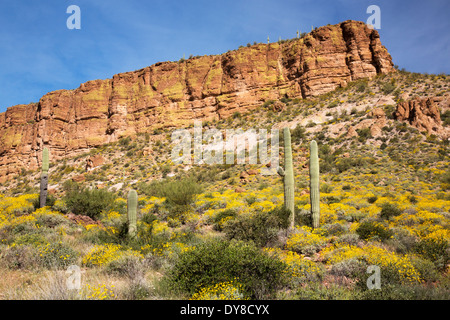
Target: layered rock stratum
172	94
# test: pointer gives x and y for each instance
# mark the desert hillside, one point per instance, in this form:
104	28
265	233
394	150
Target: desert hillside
220	231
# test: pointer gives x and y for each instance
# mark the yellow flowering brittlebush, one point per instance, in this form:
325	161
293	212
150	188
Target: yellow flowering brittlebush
16	210
305	238
299	268
242	202
373	255
160	227
167	249
151	202
98	292
228	290
14	221
14	205
103	254
422	223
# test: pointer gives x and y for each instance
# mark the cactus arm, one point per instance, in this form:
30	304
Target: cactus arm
314	184
43	190
44	179
45	158
132	213
288	176
280	171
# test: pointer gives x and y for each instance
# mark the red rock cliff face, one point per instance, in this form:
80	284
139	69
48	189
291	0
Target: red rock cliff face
170	94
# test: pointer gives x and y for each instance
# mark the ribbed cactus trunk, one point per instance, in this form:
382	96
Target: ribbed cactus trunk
288	176
314	184
132	213
44	179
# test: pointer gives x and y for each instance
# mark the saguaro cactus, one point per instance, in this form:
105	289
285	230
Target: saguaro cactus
288	175
314	183
44	179
132	213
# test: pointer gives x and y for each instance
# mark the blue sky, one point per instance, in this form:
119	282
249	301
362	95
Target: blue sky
40	54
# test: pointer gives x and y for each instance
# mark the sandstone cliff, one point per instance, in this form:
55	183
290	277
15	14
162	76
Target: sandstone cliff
170	94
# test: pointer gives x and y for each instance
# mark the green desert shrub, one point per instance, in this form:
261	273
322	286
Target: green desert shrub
389	210
259	227
335	229
394	291
89	202
350	268
298	133
436	250
216	261
222	217
369	230
177	192
19	257
51	220
50	201
57	255
388	87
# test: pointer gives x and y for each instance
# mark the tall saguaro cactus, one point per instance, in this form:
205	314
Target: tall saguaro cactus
44	179
288	175
314	184
132	213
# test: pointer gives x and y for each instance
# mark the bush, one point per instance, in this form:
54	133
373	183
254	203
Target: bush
57	255
427	269
445	117
298	133
19	257
362	86
351	268
318	291
124	141
364	134
305	241
28	255
344	164
368	230
326	188
179	195
50	201
221	217
251	227
389	210
335	229
177	192
51	220
436	250
259	227
127	265
406	292
388	87
217	261
348	238
89	202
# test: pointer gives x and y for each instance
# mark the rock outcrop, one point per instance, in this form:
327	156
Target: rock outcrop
94	161
376	121
424	114
171	94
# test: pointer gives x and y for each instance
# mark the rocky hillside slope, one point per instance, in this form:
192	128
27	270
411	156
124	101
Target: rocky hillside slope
171	94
